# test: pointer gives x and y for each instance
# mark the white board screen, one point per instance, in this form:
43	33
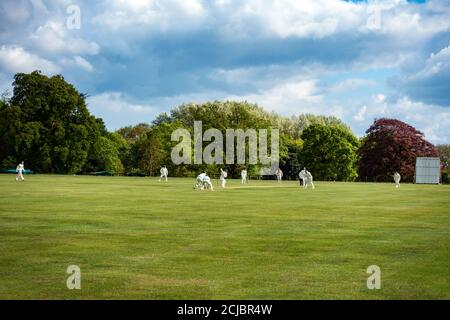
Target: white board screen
428	170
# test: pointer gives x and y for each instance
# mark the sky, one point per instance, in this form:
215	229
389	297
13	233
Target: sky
357	60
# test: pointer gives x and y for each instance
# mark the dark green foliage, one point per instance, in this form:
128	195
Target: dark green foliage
290	160
330	152
444	177
444	153
8	163
107	153
47	124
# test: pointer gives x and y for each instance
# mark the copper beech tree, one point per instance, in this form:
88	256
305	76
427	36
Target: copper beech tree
391	145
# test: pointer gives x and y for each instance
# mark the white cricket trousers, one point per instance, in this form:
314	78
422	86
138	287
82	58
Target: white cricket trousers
19	175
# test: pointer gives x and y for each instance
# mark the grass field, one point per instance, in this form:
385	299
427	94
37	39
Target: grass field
136	238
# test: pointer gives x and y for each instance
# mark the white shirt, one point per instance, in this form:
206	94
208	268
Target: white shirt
201	176
20	167
164	171
243	173
223	174
302	174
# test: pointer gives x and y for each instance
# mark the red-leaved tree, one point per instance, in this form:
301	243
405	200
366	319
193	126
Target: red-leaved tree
391	145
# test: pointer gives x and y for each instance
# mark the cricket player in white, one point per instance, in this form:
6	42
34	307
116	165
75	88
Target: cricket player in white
223	175
207	183
309	179
20	169
397	179
244	176
302	176
279	175
164	173
199	182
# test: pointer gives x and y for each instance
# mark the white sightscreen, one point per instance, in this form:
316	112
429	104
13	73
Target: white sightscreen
428	170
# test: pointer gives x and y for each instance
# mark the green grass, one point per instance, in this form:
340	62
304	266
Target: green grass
136	238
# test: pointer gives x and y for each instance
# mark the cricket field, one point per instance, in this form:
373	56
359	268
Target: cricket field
137	238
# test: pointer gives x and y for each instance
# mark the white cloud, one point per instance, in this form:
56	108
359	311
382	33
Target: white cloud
289	97
428	80
78	61
16	59
157	15
83	63
53	37
324	18
117	102
350	84
113	107
435	64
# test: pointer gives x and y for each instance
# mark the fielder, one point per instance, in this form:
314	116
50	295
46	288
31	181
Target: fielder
397	179
302	176
164	173
199	182
309	179
20	169
207	184
223	175
244	176
279	175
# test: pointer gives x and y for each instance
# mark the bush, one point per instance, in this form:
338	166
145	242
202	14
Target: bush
8	163
135	172
444	177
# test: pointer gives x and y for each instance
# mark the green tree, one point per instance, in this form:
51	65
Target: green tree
47	124
150	155
444	152
222	116
107	154
133	133
10	125
303	121
290	157
330	152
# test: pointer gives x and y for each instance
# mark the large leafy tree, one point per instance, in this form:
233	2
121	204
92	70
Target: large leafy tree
290	157
108	153
47	124
303	121
9	126
222	116
444	152
133	133
391	145
330	152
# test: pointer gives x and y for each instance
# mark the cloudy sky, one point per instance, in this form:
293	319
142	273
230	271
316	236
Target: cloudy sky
357	60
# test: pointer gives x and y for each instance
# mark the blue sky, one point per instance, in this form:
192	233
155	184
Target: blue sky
357	60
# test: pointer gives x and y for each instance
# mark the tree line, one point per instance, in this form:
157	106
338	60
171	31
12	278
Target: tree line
47	124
